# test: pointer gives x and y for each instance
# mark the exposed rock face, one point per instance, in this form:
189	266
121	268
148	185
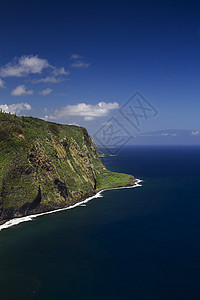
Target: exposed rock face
45	166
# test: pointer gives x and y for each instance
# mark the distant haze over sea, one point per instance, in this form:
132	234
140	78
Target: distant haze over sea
168	137
165	137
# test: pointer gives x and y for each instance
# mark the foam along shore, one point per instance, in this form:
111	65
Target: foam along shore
16	221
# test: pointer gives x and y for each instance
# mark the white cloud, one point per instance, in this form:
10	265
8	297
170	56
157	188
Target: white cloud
15	108
54	77
88	118
78	62
88	111
2	84
73	123
51	79
21	90
60	71
27	64
80	65
76	56
45	92
197	132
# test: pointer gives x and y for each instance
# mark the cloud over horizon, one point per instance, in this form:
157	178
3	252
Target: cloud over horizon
88	111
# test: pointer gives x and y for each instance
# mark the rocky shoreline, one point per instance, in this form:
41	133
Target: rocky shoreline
39	212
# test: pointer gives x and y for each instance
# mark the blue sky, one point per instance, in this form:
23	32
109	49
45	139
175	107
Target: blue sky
59	59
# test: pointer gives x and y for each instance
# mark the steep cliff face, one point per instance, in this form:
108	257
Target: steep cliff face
45	166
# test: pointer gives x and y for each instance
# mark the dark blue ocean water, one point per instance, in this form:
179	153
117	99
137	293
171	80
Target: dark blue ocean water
140	243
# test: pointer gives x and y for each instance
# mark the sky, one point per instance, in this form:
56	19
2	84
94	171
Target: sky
87	62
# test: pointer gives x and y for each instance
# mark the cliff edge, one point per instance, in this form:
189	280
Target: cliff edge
46	166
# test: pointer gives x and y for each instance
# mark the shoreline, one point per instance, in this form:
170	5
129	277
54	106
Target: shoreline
16	221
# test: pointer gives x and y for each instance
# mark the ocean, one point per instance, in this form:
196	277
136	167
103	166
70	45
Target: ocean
137	243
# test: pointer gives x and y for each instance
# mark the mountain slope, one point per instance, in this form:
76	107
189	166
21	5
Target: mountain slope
45	166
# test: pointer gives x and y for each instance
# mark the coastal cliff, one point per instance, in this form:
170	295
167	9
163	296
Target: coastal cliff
46	166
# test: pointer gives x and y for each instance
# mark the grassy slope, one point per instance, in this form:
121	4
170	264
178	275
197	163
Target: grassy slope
110	179
60	161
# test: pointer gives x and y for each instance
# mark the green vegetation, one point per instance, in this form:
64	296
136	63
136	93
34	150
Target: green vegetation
45	166
109	179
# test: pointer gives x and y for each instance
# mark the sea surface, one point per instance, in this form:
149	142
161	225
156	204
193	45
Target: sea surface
137	243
